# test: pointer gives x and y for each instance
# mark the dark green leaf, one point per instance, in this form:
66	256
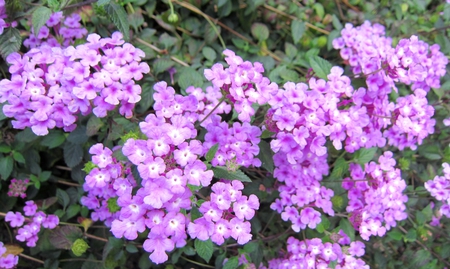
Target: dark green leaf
5	148
131	248
103	2
411	236
260	31
431	152
348	229
26	136
6	167
364	155
146	98
298	28
189	77
114	245
39	18
167	41
63	198
73	154
18	157
340	167
336	23
78	136
119	17
136	20
320	66
266	134
93	125
210	33
72	211
162	64
204	249
395	234
54	139
232	263
222	173
62	237
266	156
209	53
212	152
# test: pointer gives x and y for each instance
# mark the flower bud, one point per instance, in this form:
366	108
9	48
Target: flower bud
79	247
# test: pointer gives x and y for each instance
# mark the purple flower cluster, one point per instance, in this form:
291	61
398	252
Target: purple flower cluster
375	196
7	261
49	86
238	144
439	188
35	220
218	222
313	253
65	31
168	164
242	84
18	187
366	49
412	121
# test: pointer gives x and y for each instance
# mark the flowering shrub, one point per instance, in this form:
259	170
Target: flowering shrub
127	142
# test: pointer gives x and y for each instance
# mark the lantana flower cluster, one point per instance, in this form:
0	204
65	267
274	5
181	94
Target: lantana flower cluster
218	222
50	86
242	83
439	188
58	31
412	62
18	187
376	201
313	253
7	260
167	165
34	220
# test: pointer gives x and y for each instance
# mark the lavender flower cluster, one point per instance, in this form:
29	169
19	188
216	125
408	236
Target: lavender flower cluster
65	31
313	253
375	196
167	162
439	188
18	187
366	49
50	86
35	220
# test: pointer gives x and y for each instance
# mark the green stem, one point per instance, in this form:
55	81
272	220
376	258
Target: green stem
210	112
197	263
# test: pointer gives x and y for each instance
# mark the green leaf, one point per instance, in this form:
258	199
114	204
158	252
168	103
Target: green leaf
131	248
209	53
54	139
222	173
6	167
212	152
62	237
411	236
320	66
39	17
232	263
93	125
291	50
103	2
364	155
113	245
298	28
5	148
119	17
336	22
78	136
266	134
162	64
320	11
189	77
18	157
348	229
26	136
63	198
167	41
340	167
136	20
266	156
260	31
72	211
73	154
431	152
395	234
146	98
44	176
204	249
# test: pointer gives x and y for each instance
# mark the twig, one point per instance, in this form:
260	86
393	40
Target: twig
96	237
31	258
160	51
87	2
197	263
68	183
